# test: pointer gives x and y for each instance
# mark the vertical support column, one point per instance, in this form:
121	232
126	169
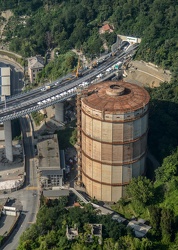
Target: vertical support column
59	112
8	140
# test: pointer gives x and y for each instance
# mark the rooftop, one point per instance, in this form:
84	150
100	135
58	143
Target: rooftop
45	172
106	27
140	229
96	229
36	62
118	96
118	218
55	193
71	233
48	152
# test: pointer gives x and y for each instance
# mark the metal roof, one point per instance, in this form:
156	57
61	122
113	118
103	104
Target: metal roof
116	96
55	193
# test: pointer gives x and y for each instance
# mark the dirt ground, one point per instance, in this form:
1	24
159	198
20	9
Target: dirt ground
146	74
6	14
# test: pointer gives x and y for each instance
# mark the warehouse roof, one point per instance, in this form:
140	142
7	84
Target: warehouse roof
114	96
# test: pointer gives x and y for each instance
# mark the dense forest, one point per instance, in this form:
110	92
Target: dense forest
38	27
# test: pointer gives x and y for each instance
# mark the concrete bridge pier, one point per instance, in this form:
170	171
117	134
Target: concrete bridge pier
59	112
8	140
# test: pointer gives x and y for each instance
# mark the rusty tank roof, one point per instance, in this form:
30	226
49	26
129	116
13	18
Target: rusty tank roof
114	96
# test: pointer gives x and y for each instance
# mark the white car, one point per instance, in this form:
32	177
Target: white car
43	89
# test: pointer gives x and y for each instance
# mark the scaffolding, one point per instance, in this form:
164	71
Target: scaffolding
80	94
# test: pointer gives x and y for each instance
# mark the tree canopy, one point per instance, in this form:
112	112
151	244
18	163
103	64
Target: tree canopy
40	25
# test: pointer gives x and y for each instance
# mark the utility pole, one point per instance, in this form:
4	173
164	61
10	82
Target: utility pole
5	101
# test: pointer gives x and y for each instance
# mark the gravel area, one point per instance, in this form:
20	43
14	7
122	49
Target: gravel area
146	74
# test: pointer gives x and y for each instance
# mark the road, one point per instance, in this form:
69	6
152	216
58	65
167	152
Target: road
30	202
19	105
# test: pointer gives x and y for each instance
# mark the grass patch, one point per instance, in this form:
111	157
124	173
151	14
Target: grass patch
37	117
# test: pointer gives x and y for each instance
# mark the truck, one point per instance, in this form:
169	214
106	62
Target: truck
118	65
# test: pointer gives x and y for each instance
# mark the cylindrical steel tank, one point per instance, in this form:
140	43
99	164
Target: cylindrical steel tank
114	126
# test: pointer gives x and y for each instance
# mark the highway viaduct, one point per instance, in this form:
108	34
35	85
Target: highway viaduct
60	90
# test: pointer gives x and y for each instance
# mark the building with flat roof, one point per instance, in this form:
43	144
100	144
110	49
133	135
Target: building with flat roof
51	173
5	90
96	230
55	194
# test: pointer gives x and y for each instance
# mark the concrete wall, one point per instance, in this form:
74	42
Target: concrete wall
8	140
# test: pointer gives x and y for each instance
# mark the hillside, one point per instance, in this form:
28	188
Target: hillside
38	26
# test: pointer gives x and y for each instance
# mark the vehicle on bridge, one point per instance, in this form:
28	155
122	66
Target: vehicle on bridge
47	87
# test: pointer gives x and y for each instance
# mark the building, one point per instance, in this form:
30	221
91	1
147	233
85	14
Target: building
5	90
106	28
112	137
71	233
5	84
55	194
51	174
35	65
119	218
139	227
96	230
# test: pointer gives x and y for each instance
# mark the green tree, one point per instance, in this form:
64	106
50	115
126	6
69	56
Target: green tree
155	218
141	189
109	244
167	225
168	169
